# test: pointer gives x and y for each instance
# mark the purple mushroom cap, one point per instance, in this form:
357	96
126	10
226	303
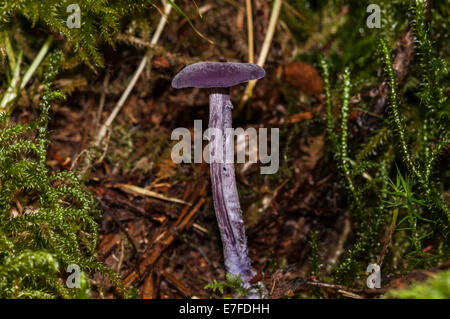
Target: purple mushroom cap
217	74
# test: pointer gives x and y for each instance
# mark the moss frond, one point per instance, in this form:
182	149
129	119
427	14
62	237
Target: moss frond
54	226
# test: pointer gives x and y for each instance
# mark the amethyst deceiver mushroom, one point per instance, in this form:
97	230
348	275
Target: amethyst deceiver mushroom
219	77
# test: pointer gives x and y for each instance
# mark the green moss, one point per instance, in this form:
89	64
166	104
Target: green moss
437	287
46	220
403	148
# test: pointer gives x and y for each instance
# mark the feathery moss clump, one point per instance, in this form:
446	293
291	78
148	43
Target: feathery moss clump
393	185
46	220
99	21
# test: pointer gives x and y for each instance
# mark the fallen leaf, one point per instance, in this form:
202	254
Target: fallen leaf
160	62
299	117
303	76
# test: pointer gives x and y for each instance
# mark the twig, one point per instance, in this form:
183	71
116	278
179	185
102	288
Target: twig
182	288
251	50
264	50
390	231
105	127
102	101
349	294
292	9
136	190
332	286
122	254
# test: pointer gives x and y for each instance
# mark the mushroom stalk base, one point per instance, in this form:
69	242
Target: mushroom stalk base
224	190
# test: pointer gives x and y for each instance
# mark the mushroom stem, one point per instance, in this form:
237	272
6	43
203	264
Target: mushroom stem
219	76
225	194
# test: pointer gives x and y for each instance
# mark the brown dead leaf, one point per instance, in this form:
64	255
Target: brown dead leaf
304	76
299	117
160	62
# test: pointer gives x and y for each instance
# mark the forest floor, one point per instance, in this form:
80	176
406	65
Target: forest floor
172	250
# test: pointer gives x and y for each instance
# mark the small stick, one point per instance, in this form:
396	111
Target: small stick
251	57
122	253
182	288
103	130
102	101
388	240
332	286
136	190
292	9
264	50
